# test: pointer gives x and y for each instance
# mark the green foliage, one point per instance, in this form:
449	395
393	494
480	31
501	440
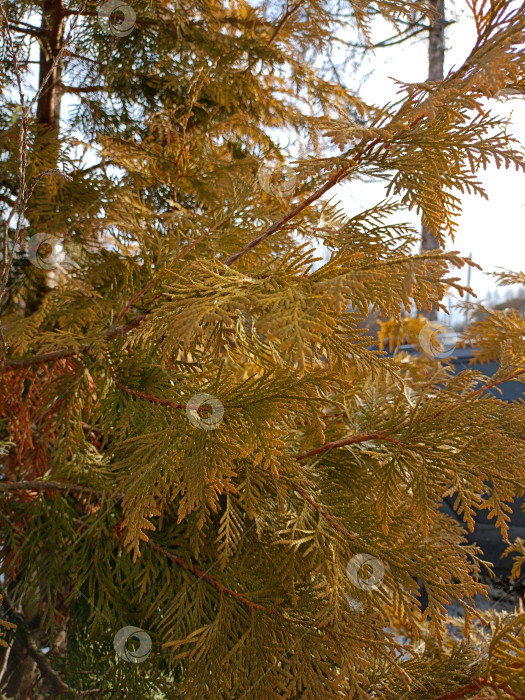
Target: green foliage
223	526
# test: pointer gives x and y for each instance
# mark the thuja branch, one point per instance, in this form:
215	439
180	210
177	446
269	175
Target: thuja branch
479	684
284	19
333	522
337	177
223	590
179	256
113	332
135	392
476	393
291	11
76	488
350	440
14	486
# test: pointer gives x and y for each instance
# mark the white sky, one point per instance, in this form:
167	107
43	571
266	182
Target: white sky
493	231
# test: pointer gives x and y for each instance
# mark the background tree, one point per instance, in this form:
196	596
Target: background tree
194	422
436	72
119	68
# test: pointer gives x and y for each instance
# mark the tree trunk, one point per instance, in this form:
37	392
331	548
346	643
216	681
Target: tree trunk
48	115
48	107
22	673
21	670
436	63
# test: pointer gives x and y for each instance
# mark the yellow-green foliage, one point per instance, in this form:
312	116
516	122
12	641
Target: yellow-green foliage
230	545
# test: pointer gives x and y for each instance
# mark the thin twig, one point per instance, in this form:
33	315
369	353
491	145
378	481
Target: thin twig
333	522
179	256
334	180
478	684
350	440
54	355
223	590
135	392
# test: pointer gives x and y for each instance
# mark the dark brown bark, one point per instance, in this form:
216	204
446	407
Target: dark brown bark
51	35
22	673
52	30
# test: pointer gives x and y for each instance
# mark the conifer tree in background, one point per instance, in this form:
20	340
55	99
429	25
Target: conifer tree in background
211	486
116	69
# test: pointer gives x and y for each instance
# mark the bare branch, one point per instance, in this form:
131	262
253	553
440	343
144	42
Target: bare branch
478	684
28	29
81	90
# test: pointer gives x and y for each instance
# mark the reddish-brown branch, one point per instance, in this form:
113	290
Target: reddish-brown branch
477	392
322	512
113	332
350	440
490	385
337	177
122	330
75	488
509	691
465	690
223	590
289	13
334	180
135	392
183	252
